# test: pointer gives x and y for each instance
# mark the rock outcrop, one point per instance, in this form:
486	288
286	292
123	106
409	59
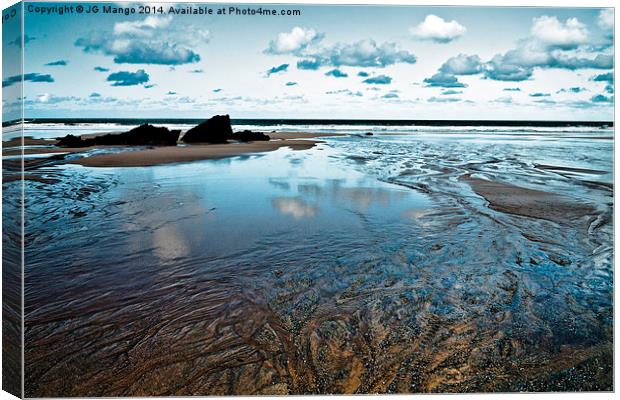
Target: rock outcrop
249	136
144	135
214	130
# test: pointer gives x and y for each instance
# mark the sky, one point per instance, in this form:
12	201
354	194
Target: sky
379	62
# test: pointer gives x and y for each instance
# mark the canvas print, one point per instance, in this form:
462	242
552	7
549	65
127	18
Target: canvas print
243	199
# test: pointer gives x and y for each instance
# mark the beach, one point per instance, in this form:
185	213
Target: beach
415	260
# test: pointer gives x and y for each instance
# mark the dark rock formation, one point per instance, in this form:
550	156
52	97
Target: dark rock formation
215	130
249	136
144	135
71	141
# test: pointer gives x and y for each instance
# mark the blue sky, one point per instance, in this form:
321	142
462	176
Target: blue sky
329	62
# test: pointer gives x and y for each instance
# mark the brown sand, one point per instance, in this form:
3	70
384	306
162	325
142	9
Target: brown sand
176	154
28	141
173	154
517	200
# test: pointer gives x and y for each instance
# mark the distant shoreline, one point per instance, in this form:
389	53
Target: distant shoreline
296	121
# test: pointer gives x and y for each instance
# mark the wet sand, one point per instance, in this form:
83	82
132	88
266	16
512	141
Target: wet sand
169	154
28	141
479	301
526	202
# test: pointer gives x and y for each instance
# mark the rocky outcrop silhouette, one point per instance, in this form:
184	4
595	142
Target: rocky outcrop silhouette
214	130
143	135
249	136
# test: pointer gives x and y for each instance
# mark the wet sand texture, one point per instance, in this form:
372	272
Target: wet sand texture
500	290
528	202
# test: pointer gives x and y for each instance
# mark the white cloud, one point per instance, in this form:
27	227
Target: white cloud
44	98
142	28
147	41
367	53
294	41
606	19
553	32
504	100
462	65
552	44
48	98
438	30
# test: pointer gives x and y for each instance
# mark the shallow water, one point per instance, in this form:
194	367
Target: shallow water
362	265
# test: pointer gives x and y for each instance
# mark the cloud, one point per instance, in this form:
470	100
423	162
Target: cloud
18	40
551	31
606	19
140	42
94	94
306	44
142	28
545	101
444	80
278	69
291	83
363	74
126	78
366	53
185	100
378	80
443	99
438	30
31	77
451	92
599	98
540	95
293	42
139	52
336	73
101	69
503	100
601	61
390	95
347	92
516	89
519	64
462	65
59	63
308	64
499	70
48	98
575	89
552	44
608	77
